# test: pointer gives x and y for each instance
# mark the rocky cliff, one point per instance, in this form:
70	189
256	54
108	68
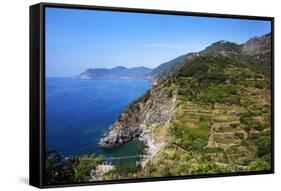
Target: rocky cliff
258	45
154	108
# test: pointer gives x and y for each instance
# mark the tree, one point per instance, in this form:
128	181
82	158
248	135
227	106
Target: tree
84	166
258	165
57	169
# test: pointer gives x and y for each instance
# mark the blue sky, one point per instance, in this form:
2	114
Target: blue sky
80	39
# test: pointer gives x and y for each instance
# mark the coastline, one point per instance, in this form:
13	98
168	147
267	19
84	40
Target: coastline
152	113
151	148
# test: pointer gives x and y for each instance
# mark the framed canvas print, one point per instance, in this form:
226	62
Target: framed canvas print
125	95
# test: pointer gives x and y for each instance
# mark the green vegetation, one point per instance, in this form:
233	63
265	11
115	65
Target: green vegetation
123	171
258	165
221	123
190	138
222	120
60	170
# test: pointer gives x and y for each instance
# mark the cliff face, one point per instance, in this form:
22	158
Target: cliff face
259	49
258	45
155	108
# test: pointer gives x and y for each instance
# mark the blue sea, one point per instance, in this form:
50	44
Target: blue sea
79	112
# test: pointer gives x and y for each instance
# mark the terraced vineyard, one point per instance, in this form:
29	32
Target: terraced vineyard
229	134
222	119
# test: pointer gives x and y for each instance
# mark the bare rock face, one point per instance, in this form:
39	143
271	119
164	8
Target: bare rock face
257	45
154	108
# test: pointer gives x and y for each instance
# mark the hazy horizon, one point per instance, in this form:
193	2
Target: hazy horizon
80	39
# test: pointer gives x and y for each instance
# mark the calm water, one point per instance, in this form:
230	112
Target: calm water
79	112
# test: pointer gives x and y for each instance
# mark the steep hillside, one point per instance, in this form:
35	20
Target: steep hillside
166	68
154	108
210	114
257	45
259	49
256	49
224	48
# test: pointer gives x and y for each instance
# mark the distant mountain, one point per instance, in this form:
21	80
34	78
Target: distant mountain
259	48
255	49
257	45
224	48
119	72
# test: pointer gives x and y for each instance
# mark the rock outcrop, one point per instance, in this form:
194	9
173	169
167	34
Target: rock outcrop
154	108
258	45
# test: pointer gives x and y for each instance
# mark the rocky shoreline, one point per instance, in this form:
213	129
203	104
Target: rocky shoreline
151	148
154	108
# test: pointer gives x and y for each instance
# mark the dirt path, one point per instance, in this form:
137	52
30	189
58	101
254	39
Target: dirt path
100	171
211	142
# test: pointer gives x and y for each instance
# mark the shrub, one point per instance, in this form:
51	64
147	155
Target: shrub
258	85
234	125
258	165
263	144
258	126
239	135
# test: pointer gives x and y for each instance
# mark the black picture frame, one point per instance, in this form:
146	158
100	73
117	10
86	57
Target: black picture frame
37	92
